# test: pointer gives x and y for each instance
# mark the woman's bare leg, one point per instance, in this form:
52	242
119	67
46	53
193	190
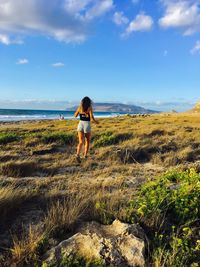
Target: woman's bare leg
81	142
87	143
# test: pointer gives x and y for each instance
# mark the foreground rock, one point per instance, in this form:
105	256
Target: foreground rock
118	244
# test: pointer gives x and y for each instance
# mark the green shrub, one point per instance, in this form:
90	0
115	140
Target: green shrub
105	216
108	138
76	261
172	199
6	138
175	193
63	138
180	248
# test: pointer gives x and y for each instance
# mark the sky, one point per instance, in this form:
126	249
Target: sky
143	52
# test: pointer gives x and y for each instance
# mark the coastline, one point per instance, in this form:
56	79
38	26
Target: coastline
15	115
51	117
24	121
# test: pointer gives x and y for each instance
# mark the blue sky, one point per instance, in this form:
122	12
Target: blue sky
131	51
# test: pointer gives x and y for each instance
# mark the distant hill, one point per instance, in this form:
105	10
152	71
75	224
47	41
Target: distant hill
196	109
118	107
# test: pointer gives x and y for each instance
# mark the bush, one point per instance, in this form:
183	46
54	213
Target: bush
175	194
6	138
76	261
108	138
63	138
172	199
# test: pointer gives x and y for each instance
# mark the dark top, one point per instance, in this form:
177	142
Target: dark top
84	117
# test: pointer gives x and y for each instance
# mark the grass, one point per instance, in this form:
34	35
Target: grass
19	169
63	214
25	249
108	138
12	198
6	138
108	206
116	181
62	138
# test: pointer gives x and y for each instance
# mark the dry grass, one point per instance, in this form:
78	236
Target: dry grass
25	248
134	150
19	169
107	206
11	198
64	213
161	135
25	168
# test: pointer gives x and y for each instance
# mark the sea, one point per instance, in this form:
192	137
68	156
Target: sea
7	115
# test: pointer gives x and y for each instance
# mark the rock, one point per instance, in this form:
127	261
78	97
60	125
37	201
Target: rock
118	244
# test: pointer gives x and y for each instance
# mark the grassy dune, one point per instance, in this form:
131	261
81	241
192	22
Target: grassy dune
140	169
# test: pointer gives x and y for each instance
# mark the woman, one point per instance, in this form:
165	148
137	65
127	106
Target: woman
85	112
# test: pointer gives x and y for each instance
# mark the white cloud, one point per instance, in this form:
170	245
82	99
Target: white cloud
6	40
58	65
63	20
196	48
22	61
88	9
76	6
142	22
184	14
119	18
99	8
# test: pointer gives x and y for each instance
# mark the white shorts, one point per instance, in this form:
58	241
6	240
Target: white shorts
84	126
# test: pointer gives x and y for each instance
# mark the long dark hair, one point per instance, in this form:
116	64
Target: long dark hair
86	103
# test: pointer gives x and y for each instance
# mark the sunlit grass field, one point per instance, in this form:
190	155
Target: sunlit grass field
141	169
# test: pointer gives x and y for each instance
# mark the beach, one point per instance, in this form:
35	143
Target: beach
7	115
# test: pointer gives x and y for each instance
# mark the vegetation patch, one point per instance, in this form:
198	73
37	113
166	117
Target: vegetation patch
108	138
64	213
76	261
168	147
6	138
62	138
169	208
127	155
4	158
11	199
26	248
41	152
189	154
23	169
155	132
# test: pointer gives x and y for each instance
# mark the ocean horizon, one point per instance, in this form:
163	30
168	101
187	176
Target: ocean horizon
7	115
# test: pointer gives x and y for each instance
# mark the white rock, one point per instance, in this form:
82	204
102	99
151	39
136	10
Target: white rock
119	244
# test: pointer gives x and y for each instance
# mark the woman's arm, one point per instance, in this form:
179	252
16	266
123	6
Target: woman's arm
92	116
77	112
